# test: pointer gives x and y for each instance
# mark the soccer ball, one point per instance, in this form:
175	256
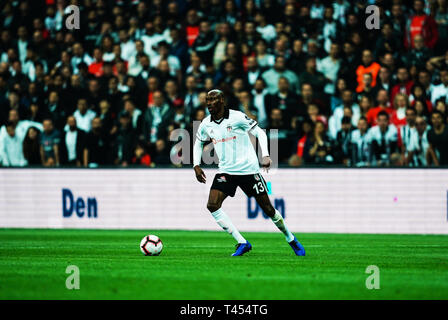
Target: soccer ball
151	245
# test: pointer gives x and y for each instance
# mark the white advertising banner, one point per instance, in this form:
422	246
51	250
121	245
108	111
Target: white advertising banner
311	200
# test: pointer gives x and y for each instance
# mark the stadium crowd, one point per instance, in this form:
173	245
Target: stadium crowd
112	91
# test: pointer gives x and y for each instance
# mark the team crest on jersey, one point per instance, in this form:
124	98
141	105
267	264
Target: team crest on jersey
222	179
256	177
229	128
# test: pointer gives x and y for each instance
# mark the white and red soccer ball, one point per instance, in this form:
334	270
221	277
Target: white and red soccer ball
151	245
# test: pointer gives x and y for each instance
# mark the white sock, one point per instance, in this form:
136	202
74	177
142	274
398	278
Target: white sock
224	221
280	223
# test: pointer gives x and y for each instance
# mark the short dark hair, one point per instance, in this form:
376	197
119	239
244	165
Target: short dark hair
346	120
383	113
439	113
411	109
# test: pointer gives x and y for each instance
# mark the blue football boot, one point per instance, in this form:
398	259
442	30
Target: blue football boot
299	250
242	248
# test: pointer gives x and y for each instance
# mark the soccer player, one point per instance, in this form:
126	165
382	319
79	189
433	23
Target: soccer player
238	167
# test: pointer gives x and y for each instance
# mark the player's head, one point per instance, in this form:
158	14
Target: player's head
215	101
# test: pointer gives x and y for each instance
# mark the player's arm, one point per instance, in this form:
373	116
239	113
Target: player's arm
197	155
263	140
201	138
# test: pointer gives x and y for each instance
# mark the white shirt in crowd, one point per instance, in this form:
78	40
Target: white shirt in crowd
77	60
151	41
419	145
439	91
11	151
127	50
267	32
70	141
173	62
83	122
261	108
334	123
11	148
329	68
22	128
362	147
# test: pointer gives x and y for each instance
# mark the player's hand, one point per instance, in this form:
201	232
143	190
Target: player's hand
200	175
266	163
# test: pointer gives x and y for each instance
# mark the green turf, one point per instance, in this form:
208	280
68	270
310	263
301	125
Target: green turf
197	265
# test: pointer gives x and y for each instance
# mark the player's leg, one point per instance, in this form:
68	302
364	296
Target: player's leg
215	200
255	186
223	186
265	203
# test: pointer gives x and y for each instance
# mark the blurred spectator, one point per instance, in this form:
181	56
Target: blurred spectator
156	119
161	153
334	123
383	105
420	24
307	130
264	59
11	147
384	80
418	55
31	147
284	99
278	121
20	126
440	90
73	144
317	148
312	76
342	143
125	141
383	140
272	76
205	42
83	115
163	54
108	118
418	146
97	146
260	96
361	151
141	157
404	84
368	66
401	104
438	140
49	144
329	66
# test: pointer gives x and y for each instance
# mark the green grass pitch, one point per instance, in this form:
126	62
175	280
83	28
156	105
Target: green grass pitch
197	265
